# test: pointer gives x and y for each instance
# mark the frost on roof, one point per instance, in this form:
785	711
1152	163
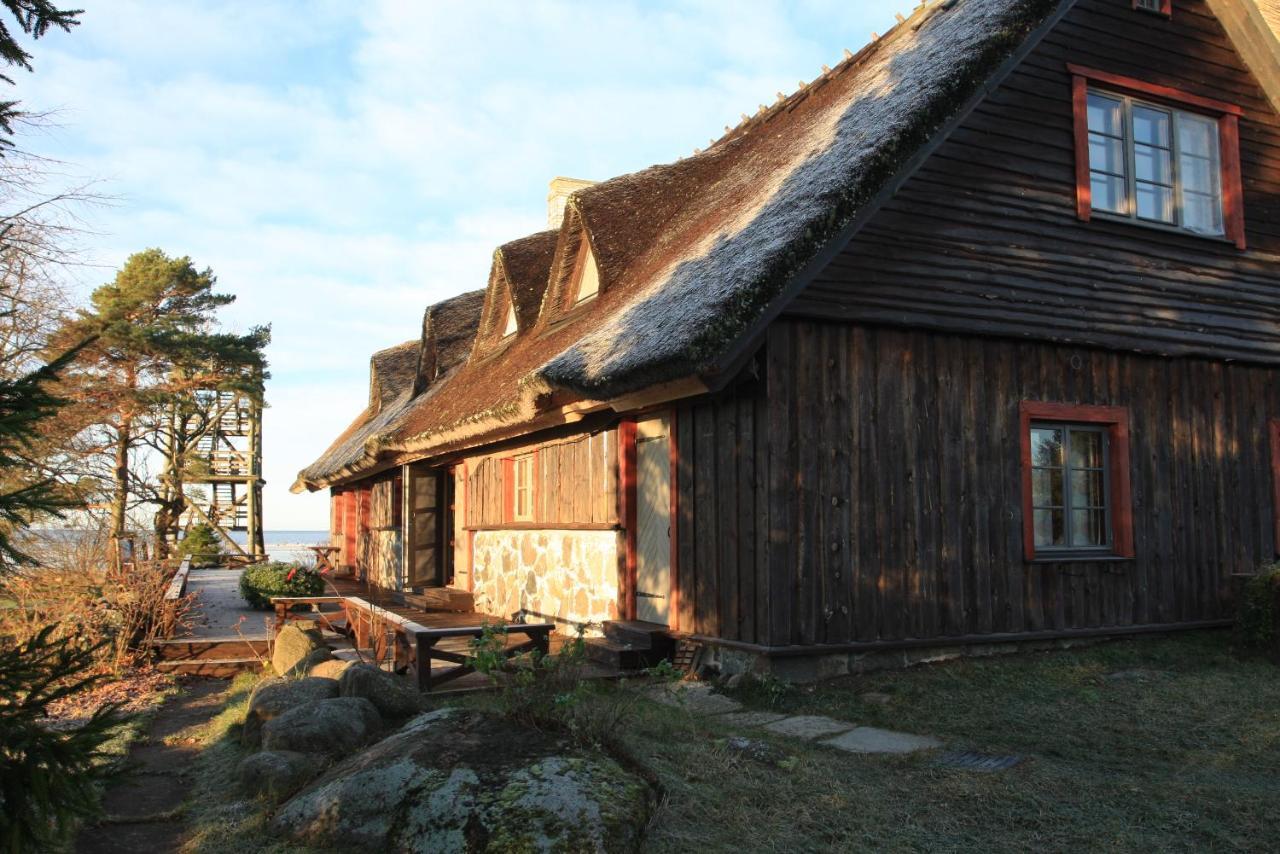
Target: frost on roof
783	204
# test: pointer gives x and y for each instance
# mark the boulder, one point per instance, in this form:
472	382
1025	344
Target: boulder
465	780
276	773
393	696
292	646
273	697
330	668
335	727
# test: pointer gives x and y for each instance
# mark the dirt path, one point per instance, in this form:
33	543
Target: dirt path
141	805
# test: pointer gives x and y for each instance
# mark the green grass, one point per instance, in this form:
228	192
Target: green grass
1184	757
222	820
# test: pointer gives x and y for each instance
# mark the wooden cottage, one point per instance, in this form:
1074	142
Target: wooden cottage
974	339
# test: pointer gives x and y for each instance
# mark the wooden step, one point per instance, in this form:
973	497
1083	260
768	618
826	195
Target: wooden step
618	656
653	640
193	649
440	599
219	668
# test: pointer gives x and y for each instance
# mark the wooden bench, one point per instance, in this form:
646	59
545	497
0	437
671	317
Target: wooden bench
284	606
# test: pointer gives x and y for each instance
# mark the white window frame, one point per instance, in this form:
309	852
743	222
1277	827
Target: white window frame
1130	214
522	488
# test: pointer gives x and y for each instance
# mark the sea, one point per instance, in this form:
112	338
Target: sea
288	546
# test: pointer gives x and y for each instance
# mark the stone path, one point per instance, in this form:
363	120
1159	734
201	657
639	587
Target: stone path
699	699
144	807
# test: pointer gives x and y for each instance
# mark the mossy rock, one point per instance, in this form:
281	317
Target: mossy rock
335	727
465	780
294	646
276	774
393	696
273	697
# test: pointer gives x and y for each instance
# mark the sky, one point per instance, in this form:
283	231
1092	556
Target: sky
340	166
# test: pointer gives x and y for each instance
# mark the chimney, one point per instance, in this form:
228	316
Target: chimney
558	196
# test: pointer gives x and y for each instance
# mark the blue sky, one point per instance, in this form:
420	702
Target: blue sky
342	165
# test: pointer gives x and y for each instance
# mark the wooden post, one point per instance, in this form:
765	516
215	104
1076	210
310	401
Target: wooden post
422	660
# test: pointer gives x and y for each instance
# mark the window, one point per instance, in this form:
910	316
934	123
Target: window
1154	163
1160	7
1141	156
511	326
587	281
522	488
1069	486
1075	470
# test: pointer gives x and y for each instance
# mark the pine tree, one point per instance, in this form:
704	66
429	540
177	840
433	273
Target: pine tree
35	18
155	342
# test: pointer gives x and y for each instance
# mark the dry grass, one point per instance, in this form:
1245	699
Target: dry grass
1179	752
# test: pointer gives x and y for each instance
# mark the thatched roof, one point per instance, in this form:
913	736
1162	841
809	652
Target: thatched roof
692	254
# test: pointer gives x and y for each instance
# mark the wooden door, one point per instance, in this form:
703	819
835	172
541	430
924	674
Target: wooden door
424	526
653	520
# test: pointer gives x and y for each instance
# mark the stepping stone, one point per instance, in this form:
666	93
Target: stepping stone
808	726
866	739
696	697
751	719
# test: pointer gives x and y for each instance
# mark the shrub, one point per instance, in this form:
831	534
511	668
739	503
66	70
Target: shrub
1257	623
48	777
535	689
203	544
259	583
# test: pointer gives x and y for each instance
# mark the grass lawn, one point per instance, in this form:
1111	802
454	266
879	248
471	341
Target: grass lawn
1159	744
1179	750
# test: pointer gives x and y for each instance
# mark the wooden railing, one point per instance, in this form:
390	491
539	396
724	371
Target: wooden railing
173	595
412	645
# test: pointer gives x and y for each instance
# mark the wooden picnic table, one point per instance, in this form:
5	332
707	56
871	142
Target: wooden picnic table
323	553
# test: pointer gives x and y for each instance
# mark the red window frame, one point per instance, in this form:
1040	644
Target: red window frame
1116	420
1228	116
1273	429
1166	8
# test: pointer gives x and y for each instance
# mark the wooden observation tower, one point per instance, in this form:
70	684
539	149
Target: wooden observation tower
223	431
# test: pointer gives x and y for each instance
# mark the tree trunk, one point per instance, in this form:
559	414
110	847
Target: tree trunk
120	496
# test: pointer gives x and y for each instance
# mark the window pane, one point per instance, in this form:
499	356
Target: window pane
1046	447
1086	449
1150	127
1088	528
1155	202
1201	214
1108	193
1106	154
1087	489
1197	136
1049	528
1104	115
1197	174
1046	487
1152	164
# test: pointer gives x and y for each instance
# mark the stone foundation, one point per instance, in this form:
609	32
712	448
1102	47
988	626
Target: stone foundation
569	577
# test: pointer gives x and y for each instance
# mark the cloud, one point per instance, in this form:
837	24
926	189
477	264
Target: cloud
341	165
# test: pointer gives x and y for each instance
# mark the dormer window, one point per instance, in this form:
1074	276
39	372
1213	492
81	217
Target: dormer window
511	327
586	281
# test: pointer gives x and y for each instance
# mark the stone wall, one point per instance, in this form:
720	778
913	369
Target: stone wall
380	558
570	577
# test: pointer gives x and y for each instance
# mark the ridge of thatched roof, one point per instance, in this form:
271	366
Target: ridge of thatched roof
692	253
396	382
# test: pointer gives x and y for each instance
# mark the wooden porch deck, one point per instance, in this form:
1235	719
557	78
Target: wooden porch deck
417	635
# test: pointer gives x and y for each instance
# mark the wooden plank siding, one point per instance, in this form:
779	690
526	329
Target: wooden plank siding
722	516
575	483
984	238
894	487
